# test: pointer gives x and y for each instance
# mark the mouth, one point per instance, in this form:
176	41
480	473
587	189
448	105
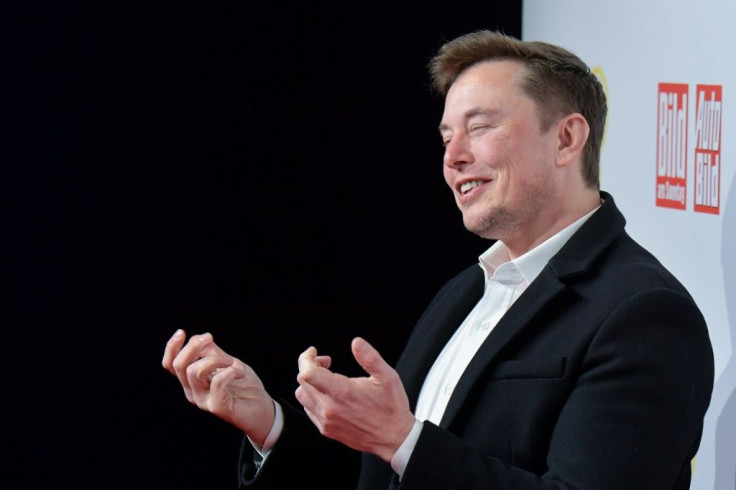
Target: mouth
467	186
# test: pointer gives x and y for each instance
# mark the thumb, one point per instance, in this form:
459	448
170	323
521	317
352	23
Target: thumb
369	358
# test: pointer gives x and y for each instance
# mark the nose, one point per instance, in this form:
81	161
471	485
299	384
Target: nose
457	151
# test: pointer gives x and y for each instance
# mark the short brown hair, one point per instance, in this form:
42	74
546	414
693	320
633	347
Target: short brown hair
557	80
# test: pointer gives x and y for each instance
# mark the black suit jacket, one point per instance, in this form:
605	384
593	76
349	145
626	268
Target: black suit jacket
598	377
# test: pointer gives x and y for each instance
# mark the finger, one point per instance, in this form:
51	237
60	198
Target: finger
200	373
199	376
308	364
173	346
370	360
190	353
310	357
219	389
308	396
323	361
314	374
307	359
313	369
222	377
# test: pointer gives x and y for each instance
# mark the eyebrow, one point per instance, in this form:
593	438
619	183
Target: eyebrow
472	112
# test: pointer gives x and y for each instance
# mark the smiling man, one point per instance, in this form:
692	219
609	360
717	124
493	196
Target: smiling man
568	357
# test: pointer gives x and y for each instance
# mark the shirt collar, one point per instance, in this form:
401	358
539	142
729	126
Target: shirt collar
531	263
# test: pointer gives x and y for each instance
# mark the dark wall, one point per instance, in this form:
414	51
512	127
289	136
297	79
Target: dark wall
265	172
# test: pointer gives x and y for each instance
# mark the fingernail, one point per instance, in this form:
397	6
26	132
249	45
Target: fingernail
178	333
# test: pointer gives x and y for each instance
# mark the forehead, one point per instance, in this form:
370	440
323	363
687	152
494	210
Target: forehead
489	87
488	77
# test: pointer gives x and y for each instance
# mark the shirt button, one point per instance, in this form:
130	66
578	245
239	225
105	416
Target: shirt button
448	389
485	325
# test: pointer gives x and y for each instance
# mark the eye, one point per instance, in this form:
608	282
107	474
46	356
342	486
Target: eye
478	127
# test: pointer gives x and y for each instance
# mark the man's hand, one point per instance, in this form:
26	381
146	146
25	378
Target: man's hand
368	414
220	384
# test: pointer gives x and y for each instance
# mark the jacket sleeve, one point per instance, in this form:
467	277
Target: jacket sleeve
301	457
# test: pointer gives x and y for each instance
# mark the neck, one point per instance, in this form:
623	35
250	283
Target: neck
550	222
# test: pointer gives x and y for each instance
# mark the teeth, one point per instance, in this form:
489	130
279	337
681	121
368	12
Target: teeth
468	186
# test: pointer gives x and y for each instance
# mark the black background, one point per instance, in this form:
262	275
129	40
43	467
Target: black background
270	173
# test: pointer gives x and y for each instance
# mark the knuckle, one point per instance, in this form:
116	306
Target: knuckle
330	411
220	382
305	375
178	364
191	372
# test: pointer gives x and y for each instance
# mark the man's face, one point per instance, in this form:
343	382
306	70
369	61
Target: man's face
498	162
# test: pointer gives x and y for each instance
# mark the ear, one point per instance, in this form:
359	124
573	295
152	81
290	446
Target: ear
572	134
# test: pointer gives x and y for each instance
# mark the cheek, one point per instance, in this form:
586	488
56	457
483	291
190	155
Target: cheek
495	155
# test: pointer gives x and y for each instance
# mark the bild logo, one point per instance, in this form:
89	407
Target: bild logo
672	145
673	131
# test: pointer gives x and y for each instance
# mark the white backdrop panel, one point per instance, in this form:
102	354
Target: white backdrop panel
638	46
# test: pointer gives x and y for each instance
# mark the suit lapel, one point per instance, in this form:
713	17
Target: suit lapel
575	257
436	326
539	293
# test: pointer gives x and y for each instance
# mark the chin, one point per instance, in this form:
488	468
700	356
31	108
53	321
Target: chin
490	225
479	228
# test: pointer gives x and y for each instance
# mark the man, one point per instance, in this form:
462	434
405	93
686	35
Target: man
571	358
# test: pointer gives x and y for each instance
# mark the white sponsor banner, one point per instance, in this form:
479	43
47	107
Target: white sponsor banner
669	68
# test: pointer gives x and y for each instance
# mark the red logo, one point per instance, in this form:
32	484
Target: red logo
672	145
708	148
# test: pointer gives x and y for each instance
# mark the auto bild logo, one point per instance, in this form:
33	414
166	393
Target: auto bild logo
708	148
673	131
672	145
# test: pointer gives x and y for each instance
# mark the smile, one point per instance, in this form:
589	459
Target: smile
469	186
